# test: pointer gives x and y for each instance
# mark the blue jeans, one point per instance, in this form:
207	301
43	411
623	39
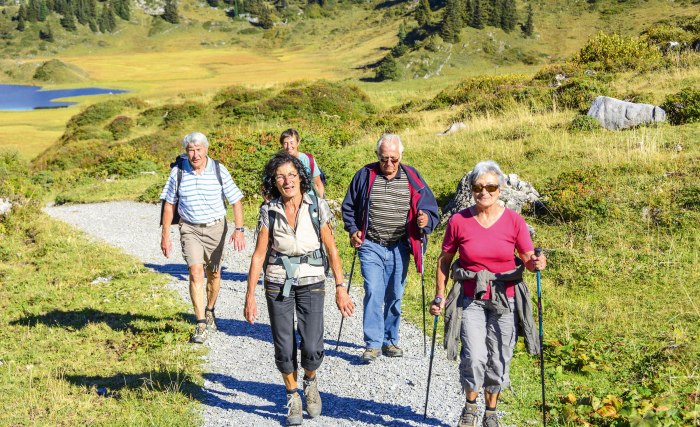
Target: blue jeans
384	269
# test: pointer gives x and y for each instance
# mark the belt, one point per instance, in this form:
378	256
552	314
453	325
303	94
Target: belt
208	224
383	242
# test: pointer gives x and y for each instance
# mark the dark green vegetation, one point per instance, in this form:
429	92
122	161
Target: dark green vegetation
79	343
620	224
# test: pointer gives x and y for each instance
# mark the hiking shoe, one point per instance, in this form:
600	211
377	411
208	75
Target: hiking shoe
312	397
469	416
200	333
392	351
294	415
211	320
490	419
370	354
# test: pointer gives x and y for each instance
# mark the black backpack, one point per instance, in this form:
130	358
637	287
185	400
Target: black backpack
179	162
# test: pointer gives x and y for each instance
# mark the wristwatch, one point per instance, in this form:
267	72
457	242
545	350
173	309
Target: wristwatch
241	229
338	285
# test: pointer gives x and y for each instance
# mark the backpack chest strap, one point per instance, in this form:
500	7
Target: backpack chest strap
291	265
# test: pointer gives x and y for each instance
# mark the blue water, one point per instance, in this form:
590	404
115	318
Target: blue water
20	97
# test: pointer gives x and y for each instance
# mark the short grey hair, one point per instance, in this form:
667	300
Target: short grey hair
487	167
195	138
389	137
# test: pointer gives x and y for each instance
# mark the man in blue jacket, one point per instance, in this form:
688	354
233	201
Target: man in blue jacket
387	210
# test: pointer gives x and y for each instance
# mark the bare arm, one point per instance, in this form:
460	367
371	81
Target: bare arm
532	262
441	276
166	244
319	187
342	298
237	236
250	311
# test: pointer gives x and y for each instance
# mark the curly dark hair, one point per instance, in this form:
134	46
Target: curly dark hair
270	190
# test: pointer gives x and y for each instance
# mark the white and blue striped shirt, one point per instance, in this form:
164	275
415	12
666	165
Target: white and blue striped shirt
200	195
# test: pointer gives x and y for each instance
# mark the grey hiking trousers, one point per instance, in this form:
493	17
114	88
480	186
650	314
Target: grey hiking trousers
488	339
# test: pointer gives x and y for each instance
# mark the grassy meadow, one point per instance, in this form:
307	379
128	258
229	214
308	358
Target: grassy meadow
620	226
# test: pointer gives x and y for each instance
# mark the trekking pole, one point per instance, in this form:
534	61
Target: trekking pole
422	284
437	301
538	252
337	342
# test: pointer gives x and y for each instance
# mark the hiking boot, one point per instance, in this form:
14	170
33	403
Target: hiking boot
490	419
294	415
370	354
312	397
392	351
469	416
200	333
211	320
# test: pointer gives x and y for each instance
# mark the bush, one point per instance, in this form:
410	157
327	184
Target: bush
151	194
577	194
579	93
96	114
683	107
388	69
618	53
171	115
239	94
120	126
584	123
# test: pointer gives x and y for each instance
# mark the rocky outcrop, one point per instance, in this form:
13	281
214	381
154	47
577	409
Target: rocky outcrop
614	114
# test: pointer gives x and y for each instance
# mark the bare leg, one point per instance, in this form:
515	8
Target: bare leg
213	287
197	289
290	380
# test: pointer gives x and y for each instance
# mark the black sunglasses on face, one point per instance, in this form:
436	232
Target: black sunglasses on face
489	187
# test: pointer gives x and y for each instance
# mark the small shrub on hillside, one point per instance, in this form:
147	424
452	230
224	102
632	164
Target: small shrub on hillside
161	146
96	114
15	183
579	93
239	94
125	168
683	107
120	127
389	123
477	89
87	133
549	72
171	115
152	193
577	194
584	123
613	52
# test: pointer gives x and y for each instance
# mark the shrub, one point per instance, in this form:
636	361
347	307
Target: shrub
683	107
388	69
96	114
584	123
171	115
578	93
120	126
239	94
613	52
577	194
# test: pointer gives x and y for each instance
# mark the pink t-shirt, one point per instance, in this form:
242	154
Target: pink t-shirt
490	248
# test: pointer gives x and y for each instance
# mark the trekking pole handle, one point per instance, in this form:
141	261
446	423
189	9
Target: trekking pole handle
437	301
538	252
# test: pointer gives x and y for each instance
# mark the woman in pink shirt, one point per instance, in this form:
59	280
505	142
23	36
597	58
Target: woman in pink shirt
485	235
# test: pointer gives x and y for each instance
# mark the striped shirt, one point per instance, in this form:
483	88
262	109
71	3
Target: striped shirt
200	195
389	203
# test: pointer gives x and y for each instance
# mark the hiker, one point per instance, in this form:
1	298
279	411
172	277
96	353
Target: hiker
199	198
291	229
489	278
289	139
388	210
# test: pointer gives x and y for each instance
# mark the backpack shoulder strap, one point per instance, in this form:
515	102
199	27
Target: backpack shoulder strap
315	215
271	216
312	163
217	168
178	163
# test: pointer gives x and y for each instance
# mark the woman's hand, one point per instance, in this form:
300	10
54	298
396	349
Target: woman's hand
250	311
539	263
344	302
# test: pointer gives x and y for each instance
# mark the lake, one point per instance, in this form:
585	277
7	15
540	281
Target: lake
21	97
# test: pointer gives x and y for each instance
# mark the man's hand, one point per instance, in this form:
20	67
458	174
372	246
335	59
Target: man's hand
356	239
343	301
166	245
422	219
238	240
437	305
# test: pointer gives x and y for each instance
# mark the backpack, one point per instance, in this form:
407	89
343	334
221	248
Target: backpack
179	162
289	262
312	164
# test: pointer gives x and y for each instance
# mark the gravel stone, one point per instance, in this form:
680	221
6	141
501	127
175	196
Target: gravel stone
242	386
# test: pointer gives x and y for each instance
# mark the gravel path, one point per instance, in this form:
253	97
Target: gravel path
242	385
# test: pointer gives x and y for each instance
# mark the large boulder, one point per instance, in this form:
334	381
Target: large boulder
516	195
614	114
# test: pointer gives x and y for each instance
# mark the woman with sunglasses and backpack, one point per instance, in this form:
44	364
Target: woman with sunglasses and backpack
488	279
291	229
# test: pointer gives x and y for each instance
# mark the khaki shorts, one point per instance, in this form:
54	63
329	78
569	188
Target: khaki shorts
203	244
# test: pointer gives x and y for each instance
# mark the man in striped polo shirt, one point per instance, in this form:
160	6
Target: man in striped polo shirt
203	224
388	210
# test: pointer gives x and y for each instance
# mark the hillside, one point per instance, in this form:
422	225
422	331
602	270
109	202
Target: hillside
622	208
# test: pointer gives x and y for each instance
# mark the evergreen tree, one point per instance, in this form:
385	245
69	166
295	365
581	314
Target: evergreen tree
108	20
170	13
33	11
402	32
388	69
451	21
82	11
123	9
22	12
213	3
424	15
61	7
265	18
476	20
494	12
93	26
529	27
21	25
68	22
509	15
47	34
92	9
466	12
43	11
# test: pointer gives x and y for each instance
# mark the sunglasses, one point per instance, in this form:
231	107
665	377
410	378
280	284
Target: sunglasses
489	187
389	159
